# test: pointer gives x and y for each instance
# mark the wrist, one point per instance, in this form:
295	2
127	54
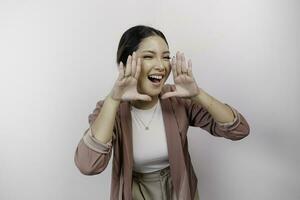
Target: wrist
197	96
111	97
204	100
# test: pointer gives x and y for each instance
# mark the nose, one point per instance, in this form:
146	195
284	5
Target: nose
160	65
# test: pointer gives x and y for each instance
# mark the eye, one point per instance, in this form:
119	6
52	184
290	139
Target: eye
167	57
147	56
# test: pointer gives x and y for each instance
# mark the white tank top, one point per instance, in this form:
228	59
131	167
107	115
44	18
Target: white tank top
150	151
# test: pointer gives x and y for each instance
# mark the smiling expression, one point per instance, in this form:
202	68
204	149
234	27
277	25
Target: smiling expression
155	65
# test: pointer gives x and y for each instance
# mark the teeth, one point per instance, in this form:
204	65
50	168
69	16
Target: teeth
154	76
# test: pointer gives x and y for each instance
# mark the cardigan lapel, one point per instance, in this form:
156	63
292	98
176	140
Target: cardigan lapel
174	146
127	148
175	151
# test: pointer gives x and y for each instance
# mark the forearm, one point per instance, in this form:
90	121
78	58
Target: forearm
219	111
102	128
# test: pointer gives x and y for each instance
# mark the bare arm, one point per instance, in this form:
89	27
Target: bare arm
95	148
231	125
93	153
219	111
125	88
203	110
102	128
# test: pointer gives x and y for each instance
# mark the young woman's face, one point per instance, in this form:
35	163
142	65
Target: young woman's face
155	68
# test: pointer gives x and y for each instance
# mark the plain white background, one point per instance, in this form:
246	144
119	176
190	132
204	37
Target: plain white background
57	60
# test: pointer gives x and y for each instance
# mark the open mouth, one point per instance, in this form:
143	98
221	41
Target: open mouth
155	78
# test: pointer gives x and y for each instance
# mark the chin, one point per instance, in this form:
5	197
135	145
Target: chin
153	92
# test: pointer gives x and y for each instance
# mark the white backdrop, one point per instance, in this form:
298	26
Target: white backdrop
57	59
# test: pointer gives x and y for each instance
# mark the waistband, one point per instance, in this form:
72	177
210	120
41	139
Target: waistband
156	175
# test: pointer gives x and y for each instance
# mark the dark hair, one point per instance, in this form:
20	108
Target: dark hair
131	39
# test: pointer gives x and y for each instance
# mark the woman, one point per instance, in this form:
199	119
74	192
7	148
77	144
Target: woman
146	121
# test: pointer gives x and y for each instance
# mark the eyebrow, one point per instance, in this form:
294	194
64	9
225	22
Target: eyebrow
154	51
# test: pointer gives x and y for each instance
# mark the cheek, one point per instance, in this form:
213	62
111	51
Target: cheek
143	73
168	68
145	67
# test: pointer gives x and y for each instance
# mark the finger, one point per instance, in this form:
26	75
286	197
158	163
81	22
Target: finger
128	66
133	63
121	71
138	69
173	65
178	63
183	64
190	73
133	69
169	94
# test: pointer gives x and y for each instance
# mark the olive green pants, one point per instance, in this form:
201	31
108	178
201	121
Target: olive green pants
154	186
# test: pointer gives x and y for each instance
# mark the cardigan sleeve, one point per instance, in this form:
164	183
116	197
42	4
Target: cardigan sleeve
198	116
91	155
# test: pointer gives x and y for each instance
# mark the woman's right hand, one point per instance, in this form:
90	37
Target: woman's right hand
125	88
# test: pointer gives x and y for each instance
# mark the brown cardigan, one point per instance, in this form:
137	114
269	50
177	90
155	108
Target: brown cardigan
92	157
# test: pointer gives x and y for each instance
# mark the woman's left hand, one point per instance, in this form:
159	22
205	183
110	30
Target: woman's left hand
185	83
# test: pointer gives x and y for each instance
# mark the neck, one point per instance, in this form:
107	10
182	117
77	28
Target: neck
144	105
